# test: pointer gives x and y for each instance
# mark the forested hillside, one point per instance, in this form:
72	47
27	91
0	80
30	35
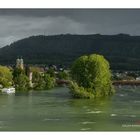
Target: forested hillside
122	51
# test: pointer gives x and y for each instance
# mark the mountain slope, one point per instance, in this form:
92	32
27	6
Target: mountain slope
122	51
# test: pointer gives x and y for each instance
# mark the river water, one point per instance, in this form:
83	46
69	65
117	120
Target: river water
56	110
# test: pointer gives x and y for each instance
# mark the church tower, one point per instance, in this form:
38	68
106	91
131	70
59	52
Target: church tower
20	63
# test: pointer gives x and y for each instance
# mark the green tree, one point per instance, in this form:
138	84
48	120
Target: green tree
21	82
51	71
63	75
17	72
49	81
44	81
91	74
5	76
20	79
38	80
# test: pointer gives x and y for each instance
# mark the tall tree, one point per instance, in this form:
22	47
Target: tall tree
21	81
91	75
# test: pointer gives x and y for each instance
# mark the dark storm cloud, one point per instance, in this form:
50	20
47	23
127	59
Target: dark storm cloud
19	23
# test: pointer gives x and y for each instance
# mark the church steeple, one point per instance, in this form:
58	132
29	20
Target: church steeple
20	63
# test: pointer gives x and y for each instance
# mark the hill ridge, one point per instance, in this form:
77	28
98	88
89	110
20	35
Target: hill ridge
122	50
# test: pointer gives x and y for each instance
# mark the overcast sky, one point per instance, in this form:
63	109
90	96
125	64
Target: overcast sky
21	23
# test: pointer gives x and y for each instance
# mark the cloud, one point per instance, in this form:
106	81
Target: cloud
18	24
18	27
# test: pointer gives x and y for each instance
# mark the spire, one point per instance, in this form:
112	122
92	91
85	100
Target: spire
19	63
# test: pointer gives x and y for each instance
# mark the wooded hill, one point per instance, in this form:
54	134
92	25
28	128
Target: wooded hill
122	51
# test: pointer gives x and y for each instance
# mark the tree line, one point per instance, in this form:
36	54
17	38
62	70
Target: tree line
89	76
19	78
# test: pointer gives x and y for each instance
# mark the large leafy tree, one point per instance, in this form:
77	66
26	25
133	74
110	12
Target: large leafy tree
21	81
5	76
91	77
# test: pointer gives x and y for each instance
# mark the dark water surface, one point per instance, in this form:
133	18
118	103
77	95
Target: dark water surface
56	110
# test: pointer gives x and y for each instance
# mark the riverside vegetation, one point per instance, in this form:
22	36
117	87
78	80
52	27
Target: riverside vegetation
89	77
20	80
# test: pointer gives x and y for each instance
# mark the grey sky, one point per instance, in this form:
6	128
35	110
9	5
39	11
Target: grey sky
20	23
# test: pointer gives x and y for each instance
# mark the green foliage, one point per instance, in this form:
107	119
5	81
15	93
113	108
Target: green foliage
21	82
92	75
17	72
36	77
44	81
49	81
80	92
63	75
38	80
20	79
5	76
51	71
40	84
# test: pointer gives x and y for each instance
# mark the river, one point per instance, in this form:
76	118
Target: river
56	110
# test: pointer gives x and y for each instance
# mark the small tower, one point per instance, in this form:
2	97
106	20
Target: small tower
20	63
17	63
